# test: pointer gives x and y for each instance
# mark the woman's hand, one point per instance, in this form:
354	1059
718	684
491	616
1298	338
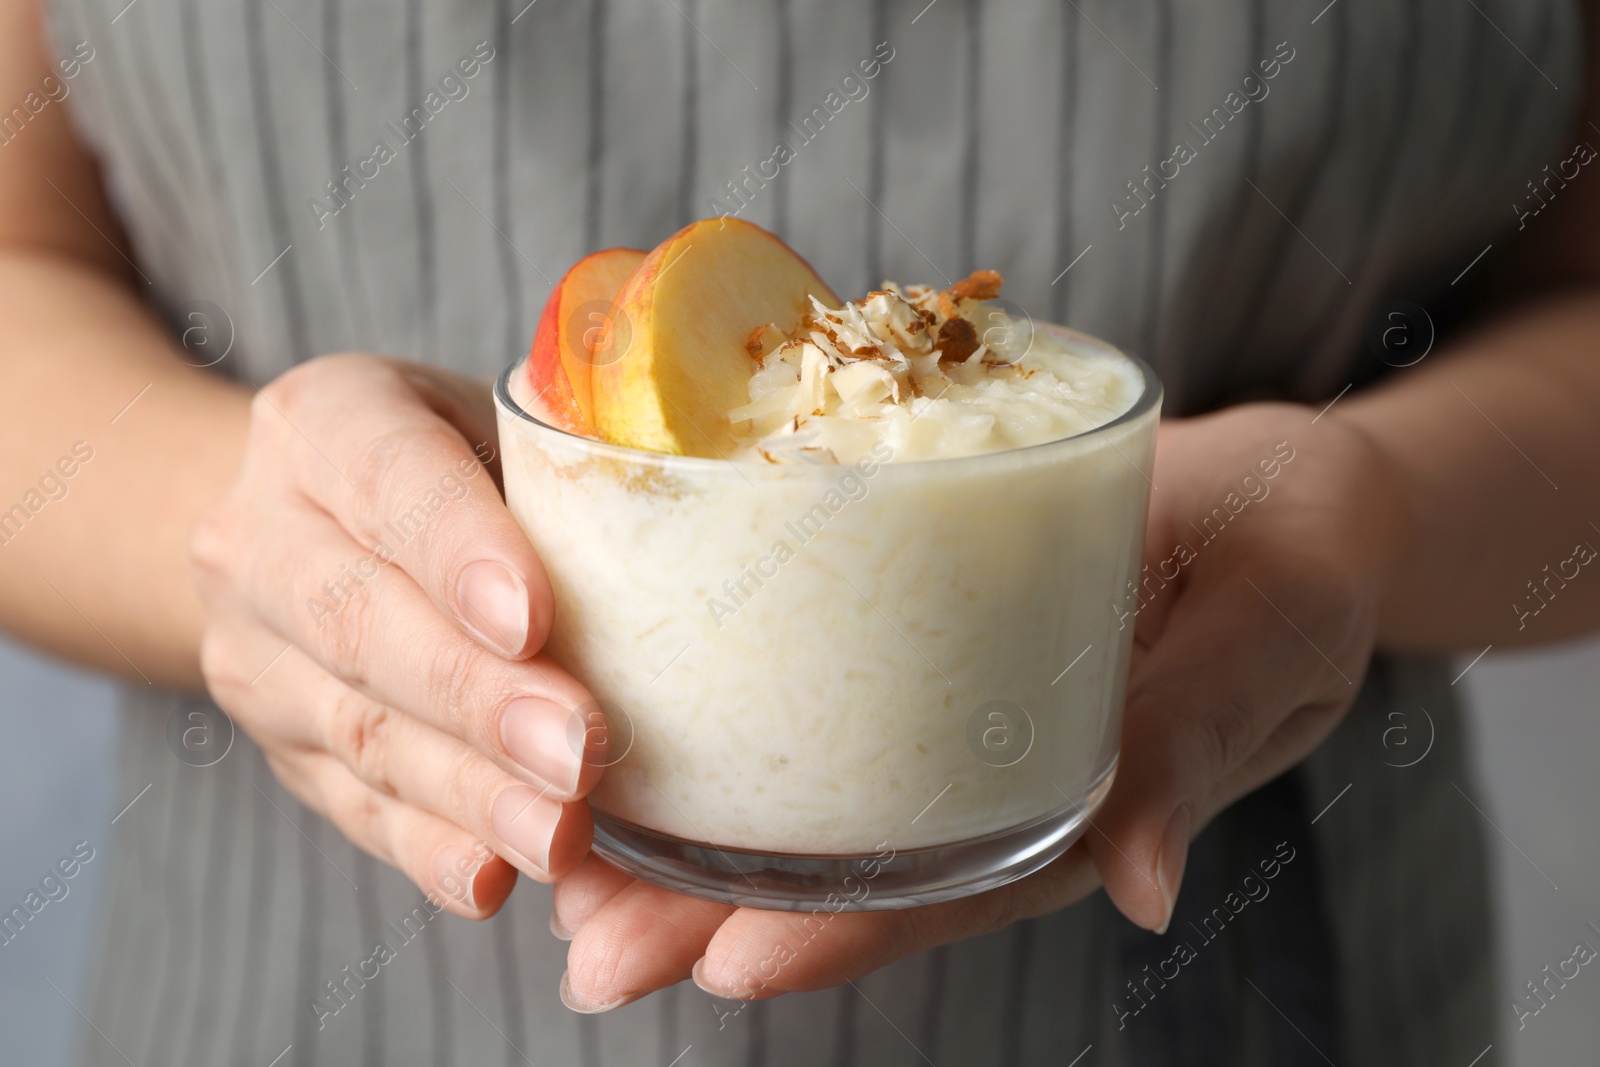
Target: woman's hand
1269	544
371	613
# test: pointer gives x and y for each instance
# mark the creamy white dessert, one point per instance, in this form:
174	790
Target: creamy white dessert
929	373
813	642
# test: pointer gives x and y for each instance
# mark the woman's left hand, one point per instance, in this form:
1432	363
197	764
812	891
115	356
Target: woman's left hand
1252	633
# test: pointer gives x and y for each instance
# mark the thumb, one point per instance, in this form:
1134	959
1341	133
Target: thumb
1211	689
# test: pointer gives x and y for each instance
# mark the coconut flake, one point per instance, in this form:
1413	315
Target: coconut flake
926	371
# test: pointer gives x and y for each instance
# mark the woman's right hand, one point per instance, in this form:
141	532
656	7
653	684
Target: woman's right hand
374	616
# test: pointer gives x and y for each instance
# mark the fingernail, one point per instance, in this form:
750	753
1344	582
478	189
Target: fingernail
1170	862
571	1000
556	927
534	732
526	822
493	602
456	869
749	992
698	973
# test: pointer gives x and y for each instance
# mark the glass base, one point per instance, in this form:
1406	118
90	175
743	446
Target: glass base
868	881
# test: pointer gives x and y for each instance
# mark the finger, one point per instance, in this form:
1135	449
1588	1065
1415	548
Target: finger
455	869
759	954
385	638
645	938
299	704
465	403
583	893
1226	673
642	939
545	838
402	479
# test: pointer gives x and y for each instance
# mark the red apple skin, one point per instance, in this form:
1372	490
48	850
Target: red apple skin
552	390
560	360
690	307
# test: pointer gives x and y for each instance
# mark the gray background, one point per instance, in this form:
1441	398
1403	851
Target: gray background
1535	716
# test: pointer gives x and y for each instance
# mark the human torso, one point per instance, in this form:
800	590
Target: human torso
312	177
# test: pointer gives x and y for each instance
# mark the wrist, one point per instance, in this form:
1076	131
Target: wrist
1387	494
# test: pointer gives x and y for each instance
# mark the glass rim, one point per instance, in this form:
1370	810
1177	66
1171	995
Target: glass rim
1150	395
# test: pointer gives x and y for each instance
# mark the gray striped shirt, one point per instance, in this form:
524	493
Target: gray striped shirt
1227	188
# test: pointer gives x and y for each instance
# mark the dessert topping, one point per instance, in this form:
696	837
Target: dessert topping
887	347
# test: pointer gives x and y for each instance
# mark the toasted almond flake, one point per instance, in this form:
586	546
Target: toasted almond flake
979	285
958	339
886	359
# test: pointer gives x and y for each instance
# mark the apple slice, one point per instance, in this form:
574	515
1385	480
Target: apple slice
689	309
574	332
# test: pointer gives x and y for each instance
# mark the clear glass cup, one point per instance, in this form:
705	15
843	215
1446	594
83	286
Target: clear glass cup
842	687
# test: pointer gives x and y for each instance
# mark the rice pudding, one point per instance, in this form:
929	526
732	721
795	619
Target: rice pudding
887	618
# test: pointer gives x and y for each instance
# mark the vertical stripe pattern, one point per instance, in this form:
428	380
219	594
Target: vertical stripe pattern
241	142
422	192
971	135
689	146
783	97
